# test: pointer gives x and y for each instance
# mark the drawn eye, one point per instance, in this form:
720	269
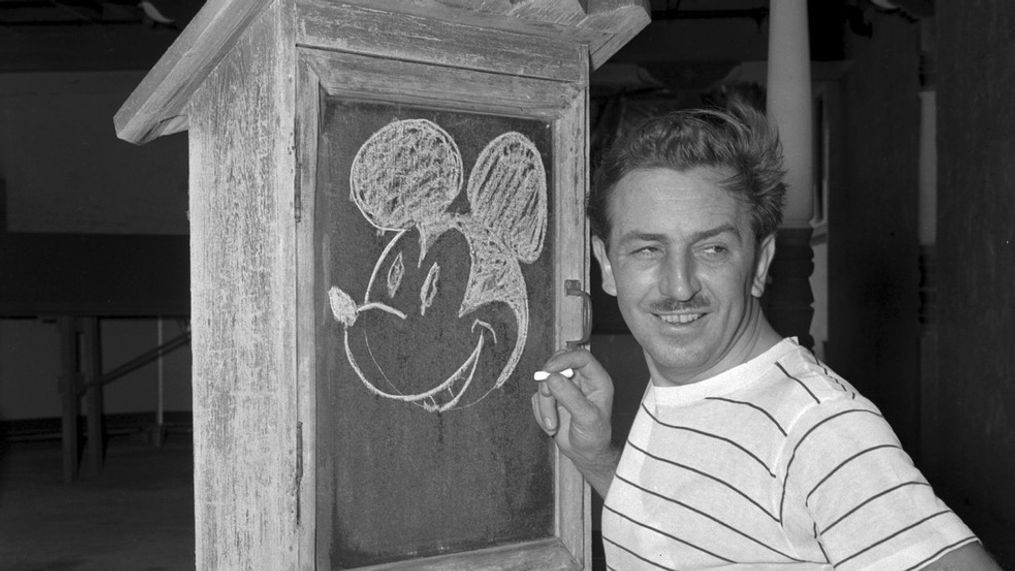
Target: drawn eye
429	289
395	273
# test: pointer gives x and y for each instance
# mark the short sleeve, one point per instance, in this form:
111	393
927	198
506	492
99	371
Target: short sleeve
868	504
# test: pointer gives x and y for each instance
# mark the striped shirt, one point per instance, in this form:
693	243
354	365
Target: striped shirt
777	463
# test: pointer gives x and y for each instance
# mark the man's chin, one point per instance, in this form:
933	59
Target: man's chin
677	361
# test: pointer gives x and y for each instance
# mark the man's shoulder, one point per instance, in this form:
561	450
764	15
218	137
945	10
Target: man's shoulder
797	383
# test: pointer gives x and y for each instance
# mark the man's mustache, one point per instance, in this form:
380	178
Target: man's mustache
671	305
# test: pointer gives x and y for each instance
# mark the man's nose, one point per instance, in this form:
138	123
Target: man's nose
679	279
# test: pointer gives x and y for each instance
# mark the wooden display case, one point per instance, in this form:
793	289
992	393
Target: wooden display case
386	207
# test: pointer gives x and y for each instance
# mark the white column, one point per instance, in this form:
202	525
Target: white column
788	300
790	104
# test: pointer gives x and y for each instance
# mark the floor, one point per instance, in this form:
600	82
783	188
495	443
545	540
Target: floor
137	514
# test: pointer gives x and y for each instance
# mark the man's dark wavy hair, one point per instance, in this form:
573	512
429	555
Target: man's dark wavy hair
738	142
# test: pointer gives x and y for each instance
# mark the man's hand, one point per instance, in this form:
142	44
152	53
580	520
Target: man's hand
576	413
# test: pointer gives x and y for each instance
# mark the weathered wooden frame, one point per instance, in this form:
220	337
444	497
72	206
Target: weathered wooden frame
563	104
234	80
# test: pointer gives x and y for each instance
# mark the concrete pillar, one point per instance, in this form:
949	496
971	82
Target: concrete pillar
789	297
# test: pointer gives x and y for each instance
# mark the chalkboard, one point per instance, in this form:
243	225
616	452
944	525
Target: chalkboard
434	259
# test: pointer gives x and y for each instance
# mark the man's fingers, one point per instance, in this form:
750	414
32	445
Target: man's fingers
580	362
567	394
573	392
544	407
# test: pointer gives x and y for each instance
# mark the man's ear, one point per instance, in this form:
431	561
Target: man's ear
766	251
599	249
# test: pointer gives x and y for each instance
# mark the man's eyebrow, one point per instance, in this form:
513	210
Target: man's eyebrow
696	237
642	237
713	232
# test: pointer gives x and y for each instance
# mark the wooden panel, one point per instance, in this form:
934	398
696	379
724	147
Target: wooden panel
601	26
246	467
356	78
544	555
308	102
370	78
326	24
571	147
625	22
156	106
569	12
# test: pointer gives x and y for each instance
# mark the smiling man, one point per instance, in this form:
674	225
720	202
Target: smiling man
747	451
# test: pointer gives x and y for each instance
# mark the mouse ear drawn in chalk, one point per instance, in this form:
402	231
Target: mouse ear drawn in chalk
407	172
404	178
507	191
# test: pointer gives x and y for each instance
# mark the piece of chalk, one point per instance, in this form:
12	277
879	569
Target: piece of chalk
543	375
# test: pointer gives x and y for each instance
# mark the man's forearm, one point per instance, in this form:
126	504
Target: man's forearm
598	472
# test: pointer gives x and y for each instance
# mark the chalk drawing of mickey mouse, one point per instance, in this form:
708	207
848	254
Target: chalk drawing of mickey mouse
403	179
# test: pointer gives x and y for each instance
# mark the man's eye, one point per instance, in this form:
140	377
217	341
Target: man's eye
395	274
646	252
715	252
429	289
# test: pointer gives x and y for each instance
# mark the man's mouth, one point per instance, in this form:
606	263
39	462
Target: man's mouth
680	318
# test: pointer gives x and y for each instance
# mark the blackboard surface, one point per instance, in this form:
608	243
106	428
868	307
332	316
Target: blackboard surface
425	439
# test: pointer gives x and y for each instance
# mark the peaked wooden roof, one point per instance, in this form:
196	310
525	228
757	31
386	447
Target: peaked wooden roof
157	106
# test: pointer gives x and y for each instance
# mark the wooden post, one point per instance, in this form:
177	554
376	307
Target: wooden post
92	366
927	231
69	395
160	390
789	297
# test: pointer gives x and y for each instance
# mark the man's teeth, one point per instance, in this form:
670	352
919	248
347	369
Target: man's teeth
682	318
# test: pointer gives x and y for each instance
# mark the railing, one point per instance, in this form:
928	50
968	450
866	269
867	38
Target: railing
83	376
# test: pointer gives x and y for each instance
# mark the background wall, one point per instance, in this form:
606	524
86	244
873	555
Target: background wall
72	190
64	169
975	457
872	240
30	367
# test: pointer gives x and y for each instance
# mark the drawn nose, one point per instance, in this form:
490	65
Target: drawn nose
342	306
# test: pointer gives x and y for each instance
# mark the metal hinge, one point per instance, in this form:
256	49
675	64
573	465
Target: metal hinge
297	194
299	467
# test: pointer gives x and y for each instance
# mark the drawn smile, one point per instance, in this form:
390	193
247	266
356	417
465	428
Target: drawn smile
441	397
445	395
